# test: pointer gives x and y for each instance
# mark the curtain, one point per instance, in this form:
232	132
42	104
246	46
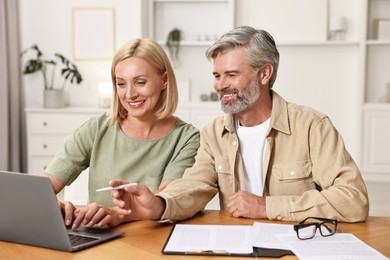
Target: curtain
12	117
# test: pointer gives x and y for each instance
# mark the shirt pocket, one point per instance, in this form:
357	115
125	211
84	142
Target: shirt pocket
292	178
222	166
225	176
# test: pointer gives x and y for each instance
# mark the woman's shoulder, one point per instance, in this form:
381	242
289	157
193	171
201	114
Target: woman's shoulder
95	122
185	127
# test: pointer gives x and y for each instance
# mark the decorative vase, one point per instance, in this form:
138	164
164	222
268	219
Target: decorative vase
54	98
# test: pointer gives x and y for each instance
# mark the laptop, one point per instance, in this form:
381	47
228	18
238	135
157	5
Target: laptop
30	215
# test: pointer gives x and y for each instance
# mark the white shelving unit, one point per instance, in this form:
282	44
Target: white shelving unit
376	74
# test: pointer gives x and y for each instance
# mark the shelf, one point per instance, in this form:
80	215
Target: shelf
318	43
191	1
69	109
281	44
379	42
191	43
199	104
376	106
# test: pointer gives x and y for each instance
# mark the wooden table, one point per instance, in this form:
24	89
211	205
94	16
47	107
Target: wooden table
145	239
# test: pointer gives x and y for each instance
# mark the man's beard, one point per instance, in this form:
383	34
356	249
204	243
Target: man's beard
247	97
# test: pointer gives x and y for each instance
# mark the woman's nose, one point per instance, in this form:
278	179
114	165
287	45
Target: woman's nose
131	92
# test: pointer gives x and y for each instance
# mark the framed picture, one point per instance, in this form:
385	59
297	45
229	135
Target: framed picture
93	33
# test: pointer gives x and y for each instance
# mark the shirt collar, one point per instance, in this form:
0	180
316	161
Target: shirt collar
279	116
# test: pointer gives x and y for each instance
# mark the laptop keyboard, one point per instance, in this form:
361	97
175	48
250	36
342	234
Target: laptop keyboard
76	240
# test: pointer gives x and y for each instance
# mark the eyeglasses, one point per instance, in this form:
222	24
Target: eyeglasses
307	228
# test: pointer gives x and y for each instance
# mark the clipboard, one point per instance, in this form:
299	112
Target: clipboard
170	249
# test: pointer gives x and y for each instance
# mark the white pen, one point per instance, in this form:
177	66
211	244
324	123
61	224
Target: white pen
116	187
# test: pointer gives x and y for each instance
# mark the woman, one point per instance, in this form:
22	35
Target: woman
141	142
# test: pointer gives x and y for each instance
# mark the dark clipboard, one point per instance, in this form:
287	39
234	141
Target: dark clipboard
257	251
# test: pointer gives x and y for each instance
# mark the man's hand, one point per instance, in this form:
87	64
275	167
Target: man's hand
137	202
247	205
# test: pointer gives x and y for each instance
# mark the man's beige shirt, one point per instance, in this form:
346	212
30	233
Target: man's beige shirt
309	172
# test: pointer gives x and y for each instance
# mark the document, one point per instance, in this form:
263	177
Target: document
337	247
209	239
266	235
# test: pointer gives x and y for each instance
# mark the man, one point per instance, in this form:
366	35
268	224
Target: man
266	157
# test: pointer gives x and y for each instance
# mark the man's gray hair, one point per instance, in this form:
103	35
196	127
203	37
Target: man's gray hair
258	44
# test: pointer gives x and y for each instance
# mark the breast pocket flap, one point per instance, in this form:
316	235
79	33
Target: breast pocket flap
300	170
222	166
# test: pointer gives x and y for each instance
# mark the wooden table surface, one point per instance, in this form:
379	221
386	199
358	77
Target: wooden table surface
145	240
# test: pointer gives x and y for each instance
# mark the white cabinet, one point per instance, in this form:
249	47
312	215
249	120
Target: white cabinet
376	76
376	143
46	133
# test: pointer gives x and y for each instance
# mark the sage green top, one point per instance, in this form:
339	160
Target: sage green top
110	154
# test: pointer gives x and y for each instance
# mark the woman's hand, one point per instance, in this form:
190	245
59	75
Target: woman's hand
96	214
67	208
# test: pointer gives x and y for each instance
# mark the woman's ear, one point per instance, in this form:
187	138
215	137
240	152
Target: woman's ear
165	80
265	73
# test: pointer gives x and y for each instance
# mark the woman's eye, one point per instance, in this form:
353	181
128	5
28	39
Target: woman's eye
140	82
120	84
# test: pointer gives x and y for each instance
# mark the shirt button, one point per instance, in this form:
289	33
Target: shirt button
219	167
292	173
234	143
279	218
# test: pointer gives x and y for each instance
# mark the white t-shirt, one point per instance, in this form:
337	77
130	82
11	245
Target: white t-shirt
252	150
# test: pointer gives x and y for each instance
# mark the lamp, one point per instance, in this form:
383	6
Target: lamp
105	94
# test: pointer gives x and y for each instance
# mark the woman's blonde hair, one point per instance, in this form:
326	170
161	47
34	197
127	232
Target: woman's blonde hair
153	53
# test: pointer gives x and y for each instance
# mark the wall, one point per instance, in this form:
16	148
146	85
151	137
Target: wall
48	23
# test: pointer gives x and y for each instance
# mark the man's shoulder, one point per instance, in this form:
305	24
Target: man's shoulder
216	125
304	110
294	109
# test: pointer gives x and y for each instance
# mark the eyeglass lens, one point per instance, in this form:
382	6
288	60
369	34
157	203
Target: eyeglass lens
307	232
326	229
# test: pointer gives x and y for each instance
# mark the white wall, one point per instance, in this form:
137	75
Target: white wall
48	23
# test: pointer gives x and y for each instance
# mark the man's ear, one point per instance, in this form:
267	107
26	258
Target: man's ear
265	73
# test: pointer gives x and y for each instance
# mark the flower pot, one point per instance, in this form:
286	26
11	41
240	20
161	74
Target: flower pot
54	98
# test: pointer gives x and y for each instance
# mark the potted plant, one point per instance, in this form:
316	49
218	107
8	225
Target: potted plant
173	44
54	96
